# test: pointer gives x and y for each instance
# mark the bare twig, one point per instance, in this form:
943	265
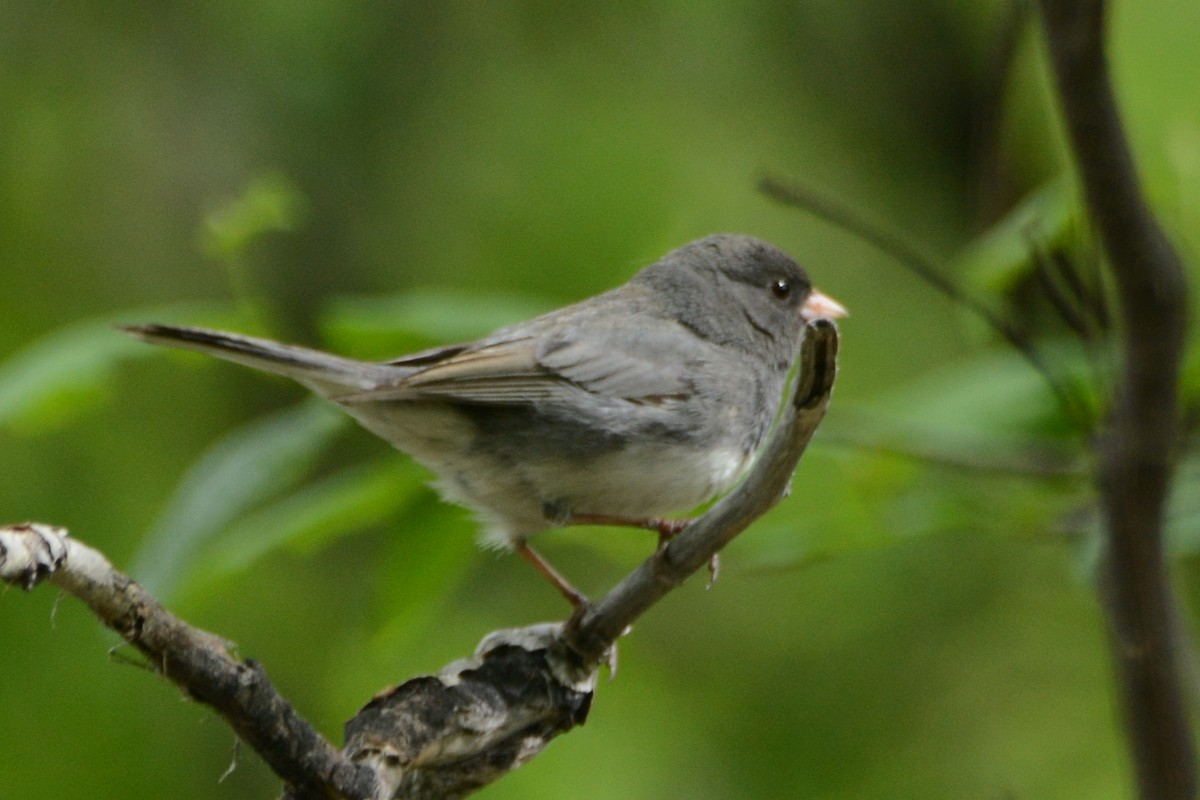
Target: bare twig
444	735
908	257
1138	444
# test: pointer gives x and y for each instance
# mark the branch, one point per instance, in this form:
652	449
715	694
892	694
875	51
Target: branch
1138	444
197	661
893	245
445	735
599	627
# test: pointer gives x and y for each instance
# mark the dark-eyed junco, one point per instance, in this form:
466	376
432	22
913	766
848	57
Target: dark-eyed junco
647	400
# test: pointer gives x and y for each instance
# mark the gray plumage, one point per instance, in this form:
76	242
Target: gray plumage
647	400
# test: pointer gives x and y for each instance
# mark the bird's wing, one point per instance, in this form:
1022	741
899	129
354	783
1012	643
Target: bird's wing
628	364
606	361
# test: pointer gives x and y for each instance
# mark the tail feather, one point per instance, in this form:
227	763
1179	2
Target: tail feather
323	372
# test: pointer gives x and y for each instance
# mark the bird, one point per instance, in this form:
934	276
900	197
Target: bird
642	402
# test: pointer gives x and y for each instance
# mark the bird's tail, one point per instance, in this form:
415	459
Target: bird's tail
323	372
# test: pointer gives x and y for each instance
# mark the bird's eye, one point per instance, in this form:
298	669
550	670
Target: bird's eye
782	289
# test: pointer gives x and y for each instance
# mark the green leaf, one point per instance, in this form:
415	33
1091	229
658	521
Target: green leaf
996	394
60	375
433	552
271	202
345	503
386	326
875	500
50	382
235	475
1003	256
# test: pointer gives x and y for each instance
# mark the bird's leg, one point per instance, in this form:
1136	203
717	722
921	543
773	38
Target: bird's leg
667	529
560	515
576	598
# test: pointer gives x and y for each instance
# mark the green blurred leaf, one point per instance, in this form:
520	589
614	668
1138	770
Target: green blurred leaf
1003	256
979	447
875	500
269	203
383	327
434	548
345	503
233	476
995	394
822	518
61	375
1183	511
65	373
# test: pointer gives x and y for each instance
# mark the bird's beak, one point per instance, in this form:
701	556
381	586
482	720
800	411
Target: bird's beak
822	305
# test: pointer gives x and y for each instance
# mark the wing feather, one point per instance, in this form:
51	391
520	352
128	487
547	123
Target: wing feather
615	363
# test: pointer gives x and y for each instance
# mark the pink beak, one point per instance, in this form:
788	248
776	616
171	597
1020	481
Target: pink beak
822	305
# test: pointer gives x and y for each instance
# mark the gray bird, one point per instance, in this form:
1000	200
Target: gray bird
647	400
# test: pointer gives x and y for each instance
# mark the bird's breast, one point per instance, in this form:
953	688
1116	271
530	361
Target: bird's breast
644	480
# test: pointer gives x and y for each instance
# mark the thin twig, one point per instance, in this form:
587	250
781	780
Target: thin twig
1056	279
905	255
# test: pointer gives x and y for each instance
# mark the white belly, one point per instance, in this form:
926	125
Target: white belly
641	480
637	482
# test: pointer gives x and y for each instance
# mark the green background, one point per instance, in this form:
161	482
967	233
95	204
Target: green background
380	176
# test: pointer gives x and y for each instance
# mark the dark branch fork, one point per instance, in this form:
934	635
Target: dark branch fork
444	735
1139	441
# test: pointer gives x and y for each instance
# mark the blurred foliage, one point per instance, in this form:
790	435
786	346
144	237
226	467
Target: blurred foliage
257	461
269	203
916	620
